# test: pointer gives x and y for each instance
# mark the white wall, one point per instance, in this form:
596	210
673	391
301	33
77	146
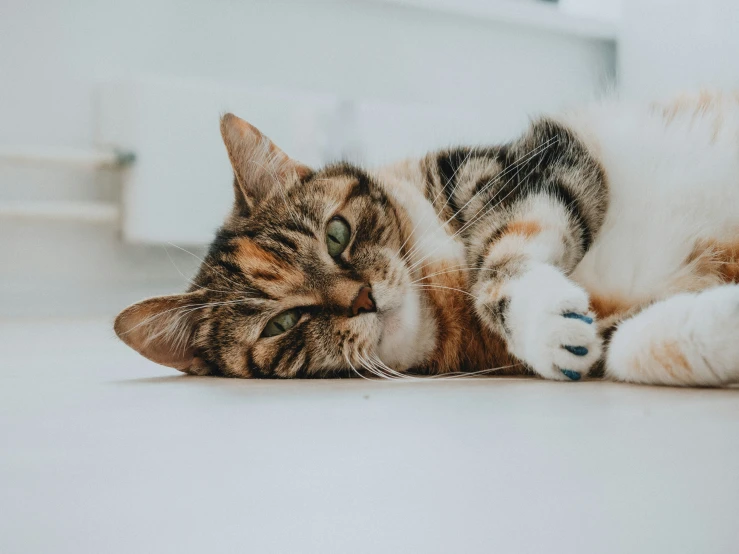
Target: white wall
671	46
54	54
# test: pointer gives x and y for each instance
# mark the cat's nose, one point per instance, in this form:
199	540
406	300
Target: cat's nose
363	301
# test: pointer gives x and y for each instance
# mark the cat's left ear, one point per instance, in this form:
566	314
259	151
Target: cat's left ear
258	164
162	329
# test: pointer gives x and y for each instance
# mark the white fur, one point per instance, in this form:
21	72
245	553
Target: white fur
670	184
703	327
429	242
407	338
538	329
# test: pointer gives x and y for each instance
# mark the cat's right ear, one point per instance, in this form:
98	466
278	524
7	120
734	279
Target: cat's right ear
162	329
259	165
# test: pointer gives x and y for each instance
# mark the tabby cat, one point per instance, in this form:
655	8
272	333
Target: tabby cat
604	242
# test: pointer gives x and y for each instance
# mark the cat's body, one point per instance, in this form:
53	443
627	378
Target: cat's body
478	258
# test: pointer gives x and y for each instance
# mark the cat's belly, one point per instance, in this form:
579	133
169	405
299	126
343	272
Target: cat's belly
655	248
631	262
672	188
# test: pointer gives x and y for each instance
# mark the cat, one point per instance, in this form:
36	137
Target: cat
602	242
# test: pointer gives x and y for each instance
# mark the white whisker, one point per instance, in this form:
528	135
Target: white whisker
193	283
221	273
434	286
457	269
464	227
433	202
346	357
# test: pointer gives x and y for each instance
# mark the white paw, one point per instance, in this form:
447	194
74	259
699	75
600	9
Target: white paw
687	339
550	326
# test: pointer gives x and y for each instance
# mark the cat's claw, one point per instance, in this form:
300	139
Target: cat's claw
582	317
576	350
572	375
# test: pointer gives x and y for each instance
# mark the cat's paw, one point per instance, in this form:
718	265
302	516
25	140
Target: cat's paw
686	339
549	325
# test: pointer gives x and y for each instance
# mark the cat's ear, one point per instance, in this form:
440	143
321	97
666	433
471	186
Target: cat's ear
162	330
258	164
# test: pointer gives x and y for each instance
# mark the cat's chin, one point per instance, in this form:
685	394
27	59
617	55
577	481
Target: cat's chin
408	333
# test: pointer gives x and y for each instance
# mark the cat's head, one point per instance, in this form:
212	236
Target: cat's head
307	277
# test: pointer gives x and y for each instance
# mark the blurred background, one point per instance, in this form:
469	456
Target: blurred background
110	155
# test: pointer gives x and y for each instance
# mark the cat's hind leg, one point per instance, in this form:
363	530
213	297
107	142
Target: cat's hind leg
687	339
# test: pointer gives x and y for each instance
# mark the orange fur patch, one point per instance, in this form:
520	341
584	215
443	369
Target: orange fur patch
716	259
695	104
669	355
525	228
711	262
610	305
611	309
703	105
254	260
249	254
462	341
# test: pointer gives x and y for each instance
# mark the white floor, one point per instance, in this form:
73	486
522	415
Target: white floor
102	451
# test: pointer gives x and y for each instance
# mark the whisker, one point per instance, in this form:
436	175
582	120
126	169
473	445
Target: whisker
443	376
346	357
464	374
460	268
373	369
476	216
516	165
434	286
221	273
433	202
396	374
480	213
185	310
371	366
190	281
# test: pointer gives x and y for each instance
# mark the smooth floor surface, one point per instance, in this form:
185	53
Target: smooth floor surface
102	451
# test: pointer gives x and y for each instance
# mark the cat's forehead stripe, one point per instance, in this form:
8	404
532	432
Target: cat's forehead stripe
249	254
261	264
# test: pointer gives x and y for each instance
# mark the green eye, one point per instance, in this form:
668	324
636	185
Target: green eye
337	236
281	323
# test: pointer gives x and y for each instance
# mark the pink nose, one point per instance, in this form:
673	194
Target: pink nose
363	301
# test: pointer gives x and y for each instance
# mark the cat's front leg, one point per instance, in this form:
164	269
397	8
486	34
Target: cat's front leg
544	319
687	339
530	211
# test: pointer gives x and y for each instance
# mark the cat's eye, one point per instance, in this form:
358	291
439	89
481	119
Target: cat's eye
337	236
281	323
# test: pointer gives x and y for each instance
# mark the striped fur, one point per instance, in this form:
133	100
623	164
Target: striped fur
561	252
